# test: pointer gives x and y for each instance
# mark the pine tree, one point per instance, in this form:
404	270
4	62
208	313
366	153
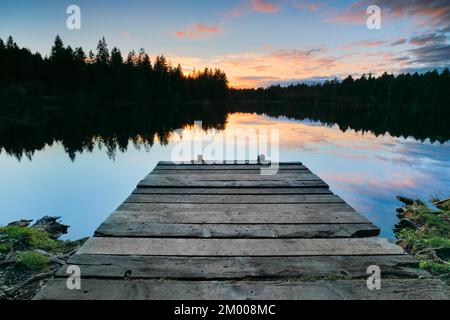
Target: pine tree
160	65
131	58
144	60
69	51
178	71
10	44
79	54
102	57
57	49
91	57
116	58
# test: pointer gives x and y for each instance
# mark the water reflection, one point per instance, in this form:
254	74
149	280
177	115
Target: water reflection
398	122
113	129
367	168
109	129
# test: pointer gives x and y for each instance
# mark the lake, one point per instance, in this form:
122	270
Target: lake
82	170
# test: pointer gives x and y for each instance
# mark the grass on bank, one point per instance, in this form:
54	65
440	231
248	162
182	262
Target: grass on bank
427	235
21	243
34	261
31	237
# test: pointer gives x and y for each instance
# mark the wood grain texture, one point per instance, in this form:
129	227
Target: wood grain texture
174	267
226	168
239	247
232	199
177	230
235	191
174	181
226	163
219	171
245	214
427	289
228	176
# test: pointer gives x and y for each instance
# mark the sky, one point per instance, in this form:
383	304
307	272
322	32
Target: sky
256	42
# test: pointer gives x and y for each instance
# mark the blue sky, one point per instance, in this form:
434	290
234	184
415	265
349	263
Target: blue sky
256	42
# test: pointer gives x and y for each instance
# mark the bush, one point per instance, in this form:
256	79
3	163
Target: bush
33	237
434	266
33	260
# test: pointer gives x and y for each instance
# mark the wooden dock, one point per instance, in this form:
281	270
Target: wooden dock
224	231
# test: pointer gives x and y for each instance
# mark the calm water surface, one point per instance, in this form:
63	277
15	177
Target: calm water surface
366	170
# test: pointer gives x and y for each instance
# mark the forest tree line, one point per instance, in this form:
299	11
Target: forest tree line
411	91
105	75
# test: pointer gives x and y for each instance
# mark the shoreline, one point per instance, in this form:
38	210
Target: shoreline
424	232
31	254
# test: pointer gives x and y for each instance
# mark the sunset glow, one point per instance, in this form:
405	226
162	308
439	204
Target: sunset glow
256	42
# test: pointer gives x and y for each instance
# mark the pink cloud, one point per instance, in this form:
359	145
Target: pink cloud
264	6
197	30
244	8
436	12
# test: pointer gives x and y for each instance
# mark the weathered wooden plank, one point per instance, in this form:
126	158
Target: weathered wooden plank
232	180
242	208
94	289
108	266
239	247
174	183
251	167
226	162
231	199
301	176
176	230
286	172
236	213
204	191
